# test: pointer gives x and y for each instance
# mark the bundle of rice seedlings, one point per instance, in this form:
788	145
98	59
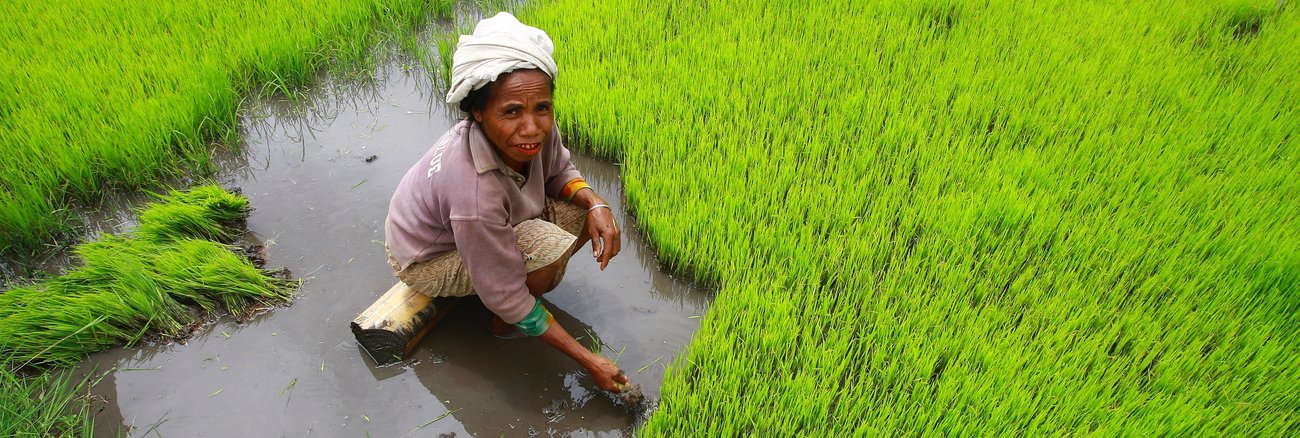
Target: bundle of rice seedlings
206	212
134	285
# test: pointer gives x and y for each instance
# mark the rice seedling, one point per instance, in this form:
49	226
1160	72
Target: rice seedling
44	404
289	387
99	95
973	218
435	420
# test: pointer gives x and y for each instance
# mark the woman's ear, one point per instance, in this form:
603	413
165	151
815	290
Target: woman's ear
477	115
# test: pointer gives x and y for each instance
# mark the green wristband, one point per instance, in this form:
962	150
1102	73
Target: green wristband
537	321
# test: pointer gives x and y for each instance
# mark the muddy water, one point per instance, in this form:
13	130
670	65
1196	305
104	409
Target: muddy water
319	173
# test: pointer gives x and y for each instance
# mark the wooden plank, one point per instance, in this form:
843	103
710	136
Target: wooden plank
394	324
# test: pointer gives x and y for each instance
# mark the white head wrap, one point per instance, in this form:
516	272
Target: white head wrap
499	45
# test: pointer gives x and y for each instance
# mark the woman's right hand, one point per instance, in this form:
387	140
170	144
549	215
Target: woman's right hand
607	375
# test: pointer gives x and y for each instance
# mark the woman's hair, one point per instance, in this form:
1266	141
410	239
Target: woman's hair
476	100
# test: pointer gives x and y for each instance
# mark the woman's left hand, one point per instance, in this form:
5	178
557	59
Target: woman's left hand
606	238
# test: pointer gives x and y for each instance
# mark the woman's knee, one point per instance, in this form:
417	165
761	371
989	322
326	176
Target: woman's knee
547	277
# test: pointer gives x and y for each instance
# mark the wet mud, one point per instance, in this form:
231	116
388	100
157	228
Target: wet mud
319	170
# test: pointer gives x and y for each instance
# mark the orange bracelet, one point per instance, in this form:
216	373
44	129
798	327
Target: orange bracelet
572	188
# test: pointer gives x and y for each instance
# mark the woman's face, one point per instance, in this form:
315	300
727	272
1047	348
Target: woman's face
517	119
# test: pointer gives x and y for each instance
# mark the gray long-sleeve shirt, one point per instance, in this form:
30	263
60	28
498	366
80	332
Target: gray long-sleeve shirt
461	196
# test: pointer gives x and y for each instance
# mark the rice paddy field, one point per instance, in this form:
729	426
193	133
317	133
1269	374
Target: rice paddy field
920	217
969	218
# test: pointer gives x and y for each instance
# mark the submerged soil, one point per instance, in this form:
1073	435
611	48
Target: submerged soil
319	171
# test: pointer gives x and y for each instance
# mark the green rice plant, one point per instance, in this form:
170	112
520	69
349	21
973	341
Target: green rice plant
959	217
446	48
100	95
45	405
140	284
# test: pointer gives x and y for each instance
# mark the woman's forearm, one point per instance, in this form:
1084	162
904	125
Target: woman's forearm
603	371
560	338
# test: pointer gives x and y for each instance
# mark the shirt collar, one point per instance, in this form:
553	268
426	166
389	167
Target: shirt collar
516	176
485	157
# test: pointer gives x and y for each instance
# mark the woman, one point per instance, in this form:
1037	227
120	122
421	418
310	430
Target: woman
495	208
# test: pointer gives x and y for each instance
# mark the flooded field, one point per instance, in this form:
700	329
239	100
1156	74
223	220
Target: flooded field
319	172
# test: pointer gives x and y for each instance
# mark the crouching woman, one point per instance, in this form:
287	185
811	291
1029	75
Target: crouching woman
496	207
